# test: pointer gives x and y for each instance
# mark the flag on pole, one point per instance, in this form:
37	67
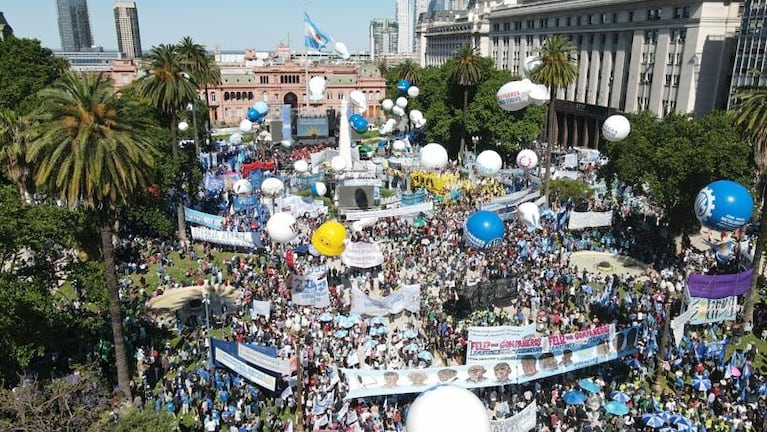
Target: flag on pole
313	36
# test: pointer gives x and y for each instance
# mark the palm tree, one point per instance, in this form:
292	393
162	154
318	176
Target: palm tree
87	150
751	118
409	70
169	87
557	70
13	143
465	71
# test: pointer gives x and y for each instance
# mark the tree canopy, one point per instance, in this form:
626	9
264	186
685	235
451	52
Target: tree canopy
25	68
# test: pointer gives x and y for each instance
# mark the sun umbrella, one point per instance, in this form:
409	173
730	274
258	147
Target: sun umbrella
653	420
574	397
589	385
619	396
383	330
411	334
374	331
355	318
677	420
616	408
325	317
425	355
340	333
411	347
684	427
378	320
701	384
347	323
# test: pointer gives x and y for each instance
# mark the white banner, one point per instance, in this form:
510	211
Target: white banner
416	208
311	290
500	333
231	238
580	220
677	324
260	308
262	360
406	297
523	421
299	206
713	310
362	255
251	374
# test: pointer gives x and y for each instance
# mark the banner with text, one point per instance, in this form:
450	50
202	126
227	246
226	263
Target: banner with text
399	211
581	220
205	219
231	238
522	421
713	310
311	289
249	373
718	286
494	347
501	333
262	360
362	255
373	382
407	297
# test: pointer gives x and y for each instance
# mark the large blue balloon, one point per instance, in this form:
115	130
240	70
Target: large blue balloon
724	205
483	229
403	85
253	115
261	107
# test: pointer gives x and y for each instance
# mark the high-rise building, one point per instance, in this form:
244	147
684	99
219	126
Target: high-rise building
126	24
384	34
750	68
74	25
5	29
406	26
438	5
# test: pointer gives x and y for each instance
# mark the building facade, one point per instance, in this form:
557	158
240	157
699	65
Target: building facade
384	36
405	23
74	25
5	29
750	66
96	60
441	32
126	25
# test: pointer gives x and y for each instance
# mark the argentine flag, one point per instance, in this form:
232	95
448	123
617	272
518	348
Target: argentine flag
313	36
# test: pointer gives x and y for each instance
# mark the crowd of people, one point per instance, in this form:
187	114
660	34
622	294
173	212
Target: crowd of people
533	270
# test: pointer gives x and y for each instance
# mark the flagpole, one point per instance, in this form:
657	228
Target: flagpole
306	66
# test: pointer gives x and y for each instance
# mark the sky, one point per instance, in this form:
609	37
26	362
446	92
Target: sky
230	24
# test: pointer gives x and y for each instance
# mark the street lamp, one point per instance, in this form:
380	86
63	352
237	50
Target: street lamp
475	141
294	329
206	302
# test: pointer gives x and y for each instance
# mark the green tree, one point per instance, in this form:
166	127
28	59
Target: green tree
132	419
670	160
564	189
25	68
751	117
557	70
13	151
88	152
465	71
170	89
408	70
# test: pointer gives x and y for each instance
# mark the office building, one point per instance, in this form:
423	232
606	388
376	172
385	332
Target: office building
5	29
750	66
405	22
126	24
96	60
438	5
74	25
384	35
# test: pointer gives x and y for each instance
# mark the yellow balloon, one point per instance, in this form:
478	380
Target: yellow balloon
329	238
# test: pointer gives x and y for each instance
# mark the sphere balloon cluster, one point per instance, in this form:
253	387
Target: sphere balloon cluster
489	162
282	227
616	128
329	238
447	408
515	95
724	205
527	159
433	157
483	230
403	85
359	123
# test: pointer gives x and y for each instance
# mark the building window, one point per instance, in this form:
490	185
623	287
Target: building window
654	14
668	80
212	96
569	21
578	20
676	80
615	18
529	39
250	95
681	12
226	96
556	22
497	27
264	79
543	23
650	36
517	25
530	24
631	16
670	60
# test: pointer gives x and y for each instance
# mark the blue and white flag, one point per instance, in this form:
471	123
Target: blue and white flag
313	36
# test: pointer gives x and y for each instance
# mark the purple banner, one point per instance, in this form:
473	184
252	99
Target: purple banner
719	286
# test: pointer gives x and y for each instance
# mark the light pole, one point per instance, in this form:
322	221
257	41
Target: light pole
475	141
206	302
297	332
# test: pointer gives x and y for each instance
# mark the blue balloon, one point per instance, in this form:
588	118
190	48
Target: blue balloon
261	107
483	230
354	118
724	205
253	115
403	85
361	125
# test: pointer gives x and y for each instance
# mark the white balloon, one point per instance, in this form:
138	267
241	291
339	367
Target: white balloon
317	88
539	94
242	187
235	139
513	96
421	122
447	408
398	145
358	100
338	163
433	157
527	159
282	227
246	126
272	186
401	102
300	166
320	189
415	115
286	143
387	104
489	162
391	122
413	91
341	50
530	214
616	128
183	126
531	63
398	111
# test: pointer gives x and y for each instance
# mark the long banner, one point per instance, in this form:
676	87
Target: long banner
231	238
205	219
496	346
522	421
251	374
407	297
713	310
501	333
372	382
311	290
580	220
262	360
399	211
362	255
718	286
